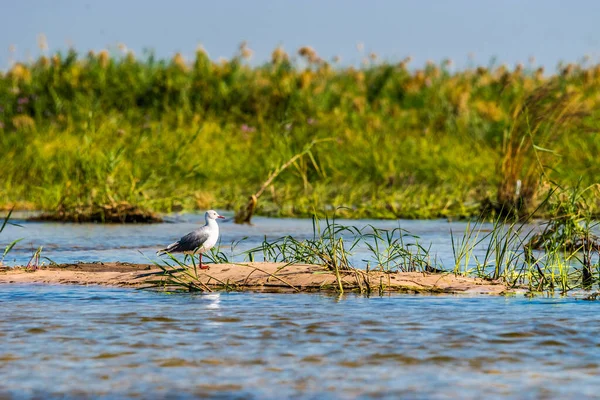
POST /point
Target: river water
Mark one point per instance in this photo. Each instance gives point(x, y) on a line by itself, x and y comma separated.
point(74, 342)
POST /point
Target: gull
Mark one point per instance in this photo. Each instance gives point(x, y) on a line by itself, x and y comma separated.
point(199, 241)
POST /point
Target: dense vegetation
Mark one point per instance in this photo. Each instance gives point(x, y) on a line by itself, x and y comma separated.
point(83, 135)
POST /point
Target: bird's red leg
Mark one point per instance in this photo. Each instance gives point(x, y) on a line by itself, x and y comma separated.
point(203, 266)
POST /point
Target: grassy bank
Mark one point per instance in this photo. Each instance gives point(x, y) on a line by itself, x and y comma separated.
point(82, 134)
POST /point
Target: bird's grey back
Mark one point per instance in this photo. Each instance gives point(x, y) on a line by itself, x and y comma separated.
point(191, 241)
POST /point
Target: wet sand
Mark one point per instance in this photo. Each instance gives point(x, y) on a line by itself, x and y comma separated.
point(266, 277)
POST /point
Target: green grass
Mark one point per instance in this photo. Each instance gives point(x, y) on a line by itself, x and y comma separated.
point(82, 134)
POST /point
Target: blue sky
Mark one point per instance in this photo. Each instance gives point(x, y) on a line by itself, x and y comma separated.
point(510, 30)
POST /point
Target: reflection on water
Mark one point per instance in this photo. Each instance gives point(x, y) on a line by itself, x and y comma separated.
point(106, 343)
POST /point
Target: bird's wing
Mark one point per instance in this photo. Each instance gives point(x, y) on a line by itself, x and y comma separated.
point(189, 242)
point(193, 240)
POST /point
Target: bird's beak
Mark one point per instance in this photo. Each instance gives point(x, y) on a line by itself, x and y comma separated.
point(221, 217)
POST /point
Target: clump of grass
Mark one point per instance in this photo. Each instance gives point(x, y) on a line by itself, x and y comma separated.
point(393, 251)
point(177, 275)
point(570, 232)
point(121, 212)
point(570, 226)
point(463, 248)
point(563, 255)
point(328, 248)
point(546, 113)
point(34, 261)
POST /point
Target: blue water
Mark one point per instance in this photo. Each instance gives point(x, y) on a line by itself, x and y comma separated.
point(90, 342)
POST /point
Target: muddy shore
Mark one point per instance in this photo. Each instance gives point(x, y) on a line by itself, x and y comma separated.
point(266, 277)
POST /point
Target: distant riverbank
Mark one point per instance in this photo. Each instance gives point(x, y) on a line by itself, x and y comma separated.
point(106, 138)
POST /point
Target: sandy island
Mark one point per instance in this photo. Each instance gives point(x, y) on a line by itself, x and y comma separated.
point(265, 277)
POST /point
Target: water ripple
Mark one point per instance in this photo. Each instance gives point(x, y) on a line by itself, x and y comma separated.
point(73, 342)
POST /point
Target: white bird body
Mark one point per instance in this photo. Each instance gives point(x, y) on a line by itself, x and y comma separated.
point(211, 231)
point(199, 241)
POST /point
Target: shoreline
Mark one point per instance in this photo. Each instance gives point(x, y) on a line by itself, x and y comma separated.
point(256, 277)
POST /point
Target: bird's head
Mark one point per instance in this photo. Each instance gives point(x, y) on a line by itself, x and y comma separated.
point(212, 214)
